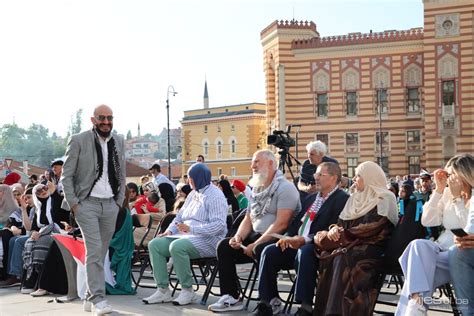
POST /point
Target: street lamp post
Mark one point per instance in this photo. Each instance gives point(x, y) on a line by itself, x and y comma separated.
point(379, 106)
point(170, 90)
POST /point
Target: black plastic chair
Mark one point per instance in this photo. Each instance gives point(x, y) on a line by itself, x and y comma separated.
point(143, 255)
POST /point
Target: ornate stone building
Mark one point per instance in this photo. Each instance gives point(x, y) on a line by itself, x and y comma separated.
point(405, 98)
point(226, 136)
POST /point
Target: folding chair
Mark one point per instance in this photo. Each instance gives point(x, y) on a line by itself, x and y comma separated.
point(144, 256)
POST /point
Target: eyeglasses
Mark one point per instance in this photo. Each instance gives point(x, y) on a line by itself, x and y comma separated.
point(42, 189)
point(319, 174)
point(103, 117)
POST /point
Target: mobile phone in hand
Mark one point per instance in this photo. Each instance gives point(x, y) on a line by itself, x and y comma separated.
point(459, 232)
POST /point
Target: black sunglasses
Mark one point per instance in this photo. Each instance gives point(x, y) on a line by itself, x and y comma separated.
point(103, 117)
point(42, 189)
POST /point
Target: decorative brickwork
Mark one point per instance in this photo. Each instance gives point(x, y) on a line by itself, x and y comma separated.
point(359, 38)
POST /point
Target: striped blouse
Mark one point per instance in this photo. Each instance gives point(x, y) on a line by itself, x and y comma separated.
point(205, 213)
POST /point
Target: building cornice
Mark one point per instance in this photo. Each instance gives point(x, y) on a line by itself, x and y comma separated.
point(230, 160)
point(446, 2)
point(211, 118)
point(414, 34)
point(356, 50)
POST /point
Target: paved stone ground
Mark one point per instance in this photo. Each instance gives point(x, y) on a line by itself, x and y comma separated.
point(13, 303)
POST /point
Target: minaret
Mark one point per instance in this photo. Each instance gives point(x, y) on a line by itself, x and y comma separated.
point(206, 96)
point(138, 130)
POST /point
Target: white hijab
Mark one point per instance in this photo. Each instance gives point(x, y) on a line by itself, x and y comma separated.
point(8, 203)
point(37, 203)
point(375, 194)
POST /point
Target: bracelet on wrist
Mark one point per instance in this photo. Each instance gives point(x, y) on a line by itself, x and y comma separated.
point(457, 199)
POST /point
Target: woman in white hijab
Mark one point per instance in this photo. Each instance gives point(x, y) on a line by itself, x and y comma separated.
point(347, 281)
point(7, 204)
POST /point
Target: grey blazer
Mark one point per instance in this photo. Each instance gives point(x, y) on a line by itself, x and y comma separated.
point(79, 169)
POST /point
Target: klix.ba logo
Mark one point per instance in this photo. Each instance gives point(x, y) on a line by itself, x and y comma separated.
point(444, 300)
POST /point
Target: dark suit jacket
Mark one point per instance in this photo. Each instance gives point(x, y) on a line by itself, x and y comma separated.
point(328, 213)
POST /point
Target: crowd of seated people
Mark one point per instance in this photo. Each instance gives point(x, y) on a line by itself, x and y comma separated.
point(280, 229)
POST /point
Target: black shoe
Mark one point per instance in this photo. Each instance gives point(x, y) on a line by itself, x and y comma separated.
point(262, 309)
point(302, 312)
point(10, 282)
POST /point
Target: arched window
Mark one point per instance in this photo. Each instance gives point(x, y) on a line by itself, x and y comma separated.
point(205, 147)
point(232, 146)
point(219, 149)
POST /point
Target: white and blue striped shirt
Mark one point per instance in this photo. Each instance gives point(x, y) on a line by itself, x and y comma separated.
point(205, 213)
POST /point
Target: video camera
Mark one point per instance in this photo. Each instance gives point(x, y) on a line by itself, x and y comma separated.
point(281, 139)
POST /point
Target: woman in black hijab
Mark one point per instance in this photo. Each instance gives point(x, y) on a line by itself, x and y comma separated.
point(167, 194)
point(409, 225)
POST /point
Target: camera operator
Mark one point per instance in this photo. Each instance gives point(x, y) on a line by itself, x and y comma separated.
point(316, 154)
point(306, 185)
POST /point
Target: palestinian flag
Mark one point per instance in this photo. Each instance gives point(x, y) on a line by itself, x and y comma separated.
point(74, 256)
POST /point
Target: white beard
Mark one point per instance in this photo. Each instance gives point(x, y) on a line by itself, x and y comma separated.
point(258, 179)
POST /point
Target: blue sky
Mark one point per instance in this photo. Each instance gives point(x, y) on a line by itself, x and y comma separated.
point(61, 55)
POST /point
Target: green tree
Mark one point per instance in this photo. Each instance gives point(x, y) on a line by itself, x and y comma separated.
point(12, 141)
point(129, 135)
point(33, 144)
point(76, 124)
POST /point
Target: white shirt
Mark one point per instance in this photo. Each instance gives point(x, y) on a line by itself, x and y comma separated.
point(102, 187)
point(441, 210)
point(161, 178)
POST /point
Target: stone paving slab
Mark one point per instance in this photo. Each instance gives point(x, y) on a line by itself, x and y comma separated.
point(13, 303)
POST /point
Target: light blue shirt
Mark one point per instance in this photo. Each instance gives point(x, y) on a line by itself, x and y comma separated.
point(205, 212)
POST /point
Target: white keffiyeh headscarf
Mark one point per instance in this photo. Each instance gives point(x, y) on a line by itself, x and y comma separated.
point(261, 197)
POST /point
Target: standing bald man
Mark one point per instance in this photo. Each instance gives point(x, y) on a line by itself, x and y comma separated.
point(94, 185)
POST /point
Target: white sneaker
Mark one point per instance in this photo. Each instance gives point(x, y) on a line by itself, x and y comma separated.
point(39, 292)
point(185, 297)
point(102, 308)
point(277, 306)
point(160, 296)
point(87, 307)
point(415, 309)
point(226, 303)
point(25, 290)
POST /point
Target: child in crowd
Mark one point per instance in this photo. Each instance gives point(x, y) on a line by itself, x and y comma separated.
point(146, 204)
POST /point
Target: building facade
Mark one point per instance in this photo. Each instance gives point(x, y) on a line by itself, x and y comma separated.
point(226, 136)
point(140, 147)
point(175, 142)
point(403, 98)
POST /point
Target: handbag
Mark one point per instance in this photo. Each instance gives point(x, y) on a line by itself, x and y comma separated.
point(346, 241)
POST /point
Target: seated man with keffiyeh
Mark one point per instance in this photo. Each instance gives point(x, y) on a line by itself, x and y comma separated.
point(275, 201)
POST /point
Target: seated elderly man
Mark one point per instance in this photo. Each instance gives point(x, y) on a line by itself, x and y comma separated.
point(296, 249)
point(317, 153)
point(274, 203)
point(194, 233)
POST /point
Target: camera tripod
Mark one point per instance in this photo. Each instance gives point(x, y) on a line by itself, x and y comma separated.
point(286, 159)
